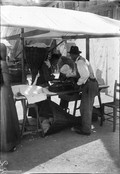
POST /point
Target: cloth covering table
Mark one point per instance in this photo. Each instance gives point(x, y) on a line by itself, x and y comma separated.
point(32, 93)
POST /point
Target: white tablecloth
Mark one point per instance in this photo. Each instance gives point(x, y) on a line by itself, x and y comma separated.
point(33, 93)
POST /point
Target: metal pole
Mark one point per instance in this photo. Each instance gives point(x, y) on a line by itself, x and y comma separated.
point(56, 45)
point(23, 56)
point(87, 48)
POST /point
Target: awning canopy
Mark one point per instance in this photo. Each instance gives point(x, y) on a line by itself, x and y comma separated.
point(48, 22)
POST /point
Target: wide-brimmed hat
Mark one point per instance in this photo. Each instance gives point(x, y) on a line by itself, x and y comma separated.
point(74, 50)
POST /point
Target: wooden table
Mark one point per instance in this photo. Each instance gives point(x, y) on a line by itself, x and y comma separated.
point(50, 94)
point(35, 94)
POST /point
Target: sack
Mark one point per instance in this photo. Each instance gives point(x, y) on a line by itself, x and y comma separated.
point(60, 118)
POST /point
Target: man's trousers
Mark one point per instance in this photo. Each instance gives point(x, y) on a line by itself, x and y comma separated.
point(89, 91)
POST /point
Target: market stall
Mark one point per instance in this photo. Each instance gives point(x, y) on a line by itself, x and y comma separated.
point(47, 108)
point(49, 26)
point(56, 23)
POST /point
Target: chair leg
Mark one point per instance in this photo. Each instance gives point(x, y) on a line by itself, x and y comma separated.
point(36, 110)
point(24, 123)
point(102, 115)
point(24, 117)
point(114, 119)
point(39, 121)
point(42, 131)
point(74, 111)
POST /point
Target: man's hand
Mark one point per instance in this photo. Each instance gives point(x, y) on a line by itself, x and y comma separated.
point(47, 62)
point(38, 75)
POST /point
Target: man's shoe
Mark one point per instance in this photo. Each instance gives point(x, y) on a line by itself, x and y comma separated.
point(79, 131)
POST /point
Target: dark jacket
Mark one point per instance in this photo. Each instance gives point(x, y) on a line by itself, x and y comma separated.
point(45, 75)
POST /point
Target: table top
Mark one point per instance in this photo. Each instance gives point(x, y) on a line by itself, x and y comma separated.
point(32, 93)
point(35, 93)
point(48, 93)
point(103, 87)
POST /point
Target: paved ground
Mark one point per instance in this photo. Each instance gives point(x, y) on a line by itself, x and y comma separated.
point(67, 152)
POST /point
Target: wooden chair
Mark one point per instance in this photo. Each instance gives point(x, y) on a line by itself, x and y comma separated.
point(114, 105)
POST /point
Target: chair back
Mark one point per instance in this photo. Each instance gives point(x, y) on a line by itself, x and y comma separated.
point(117, 93)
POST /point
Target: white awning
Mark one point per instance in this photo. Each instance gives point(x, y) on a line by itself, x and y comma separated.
point(48, 22)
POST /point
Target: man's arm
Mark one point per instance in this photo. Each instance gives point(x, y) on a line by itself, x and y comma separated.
point(36, 78)
point(83, 71)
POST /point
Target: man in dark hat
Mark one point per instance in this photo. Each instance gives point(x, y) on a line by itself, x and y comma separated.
point(89, 86)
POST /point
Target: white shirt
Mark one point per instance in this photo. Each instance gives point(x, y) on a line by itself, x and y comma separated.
point(82, 70)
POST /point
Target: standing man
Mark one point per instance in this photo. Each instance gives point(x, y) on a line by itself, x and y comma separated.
point(89, 86)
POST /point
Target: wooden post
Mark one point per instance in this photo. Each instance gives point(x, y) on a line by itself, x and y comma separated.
point(23, 56)
point(87, 48)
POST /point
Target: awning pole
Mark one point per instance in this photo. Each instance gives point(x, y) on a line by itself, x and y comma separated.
point(23, 56)
point(57, 45)
point(87, 48)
